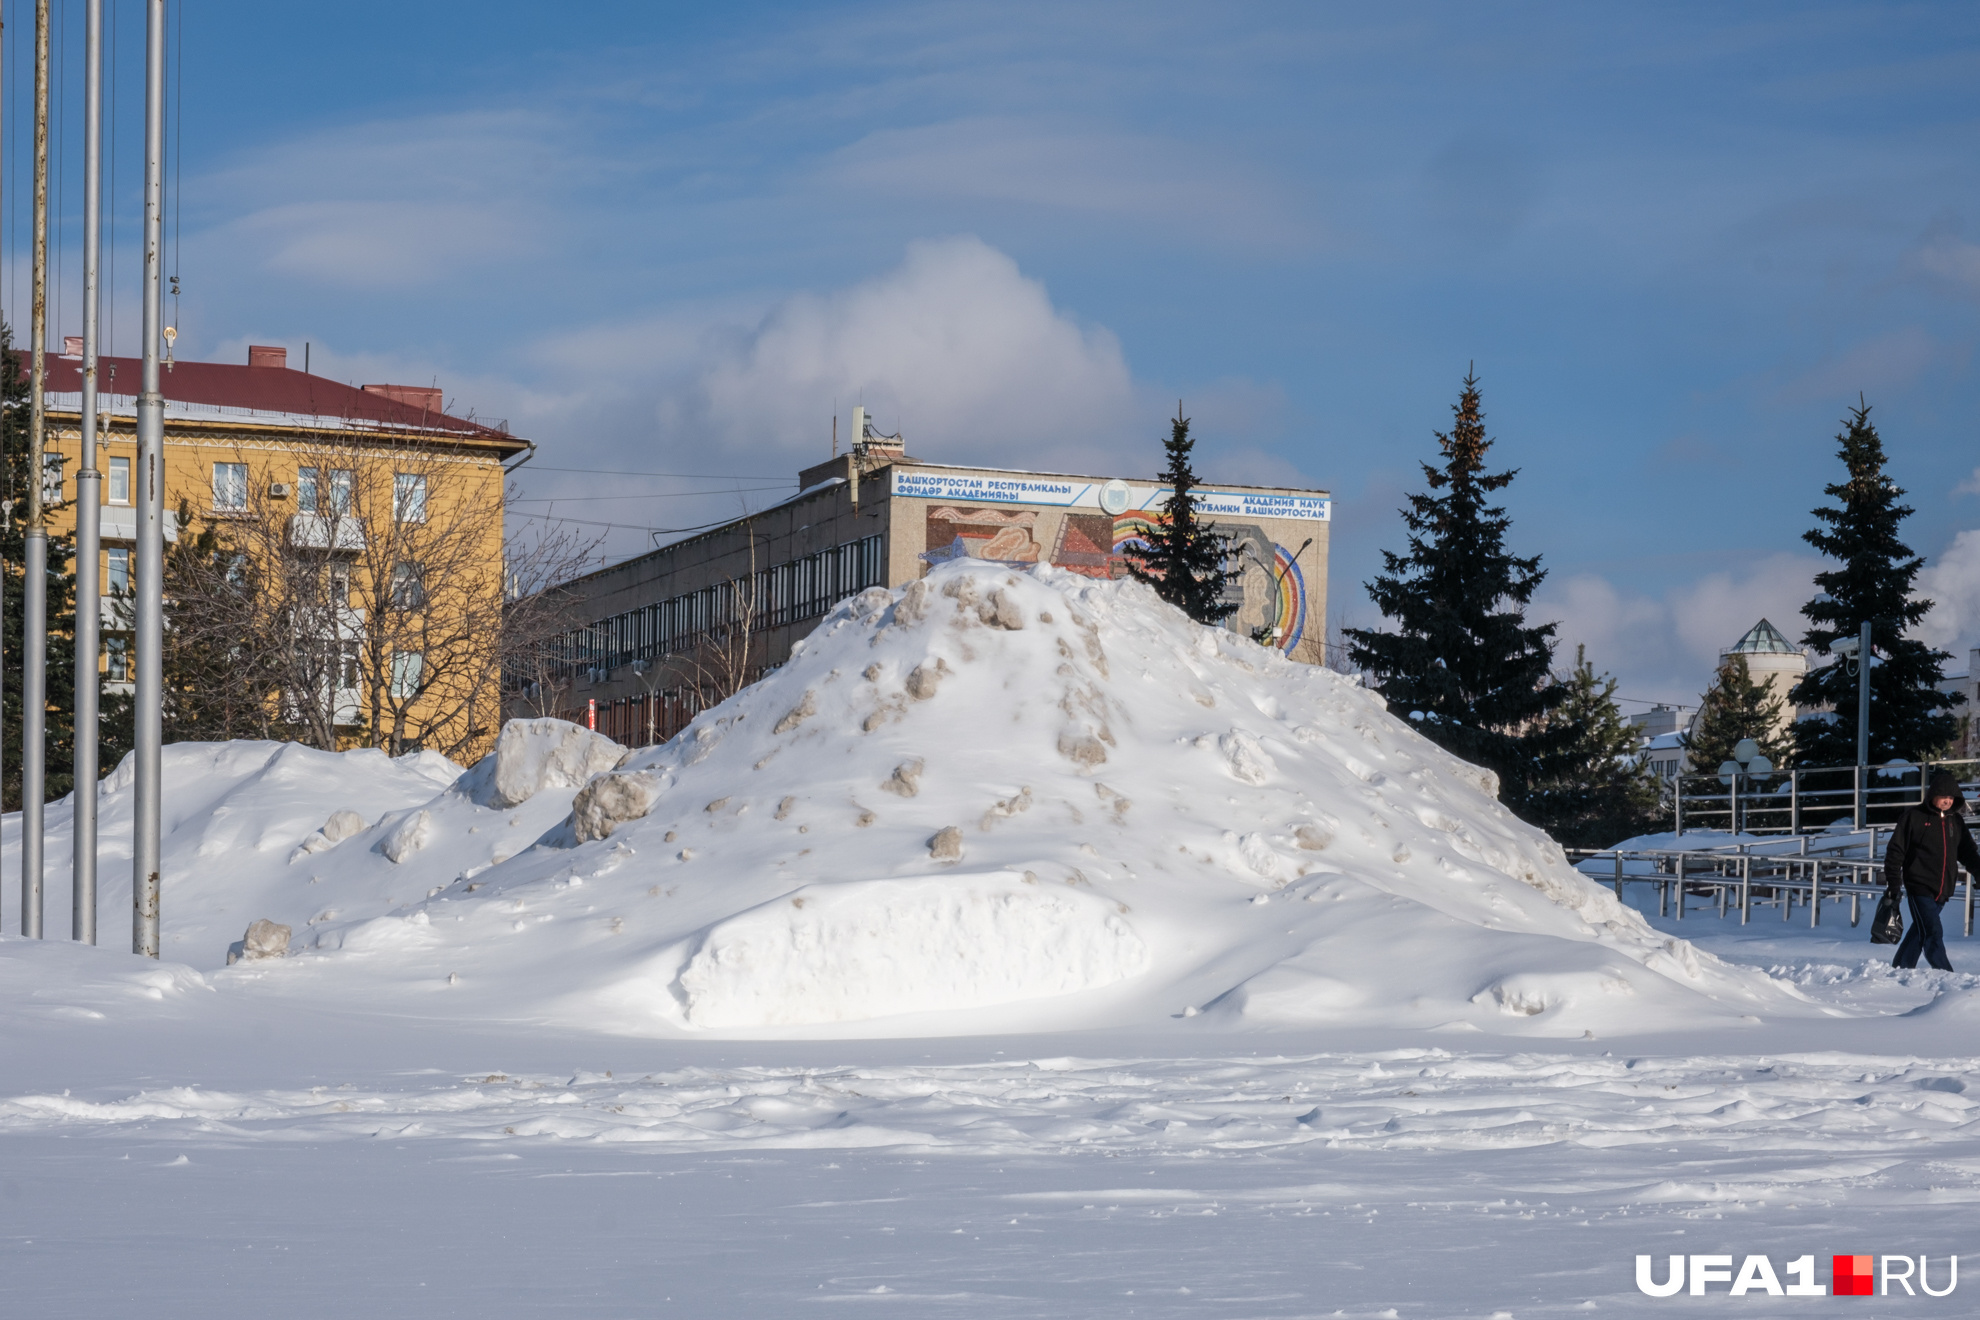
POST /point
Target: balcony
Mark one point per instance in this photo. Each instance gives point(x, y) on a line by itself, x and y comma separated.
point(316, 531)
point(119, 523)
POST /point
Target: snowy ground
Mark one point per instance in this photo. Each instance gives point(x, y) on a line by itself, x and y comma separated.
point(365, 1167)
point(1321, 1031)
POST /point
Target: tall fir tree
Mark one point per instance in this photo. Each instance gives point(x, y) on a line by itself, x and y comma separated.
point(1185, 560)
point(1592, 790)
point(1462, 664)
point(1910, 718)
point(114, 709)
point(1736, 707)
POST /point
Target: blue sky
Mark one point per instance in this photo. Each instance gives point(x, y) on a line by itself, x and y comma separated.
point(1676, 240)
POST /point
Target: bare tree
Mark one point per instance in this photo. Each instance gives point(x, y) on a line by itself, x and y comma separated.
point(730, 653)
point(431, 590)
point(285, 544)
point(540, 613)
point(386, 599)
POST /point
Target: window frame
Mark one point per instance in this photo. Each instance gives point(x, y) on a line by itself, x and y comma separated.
point(120, 465)
point(409, 496)
point(404, 671)
point(237, 486)
point(311, 488)
point(408, 585)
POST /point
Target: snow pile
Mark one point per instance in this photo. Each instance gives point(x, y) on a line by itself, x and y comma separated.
point(990, 801)
point(835, 953)
point(250, 830)
point(532, 756)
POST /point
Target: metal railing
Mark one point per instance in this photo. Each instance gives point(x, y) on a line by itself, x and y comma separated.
point(1737, 878)
point(1815, 798)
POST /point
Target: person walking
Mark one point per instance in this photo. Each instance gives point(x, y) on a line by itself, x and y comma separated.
point(1929, 839)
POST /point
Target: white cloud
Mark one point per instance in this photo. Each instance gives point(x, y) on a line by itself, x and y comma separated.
point(1952, 583)
point(378, 245)
point(1943, 256)
point(955, 347)
point(389, 204)
point(1153, 181)
point(1665, 648)
point(1886, 362)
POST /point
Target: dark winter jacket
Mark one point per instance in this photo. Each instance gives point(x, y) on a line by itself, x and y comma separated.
point(1926, 845)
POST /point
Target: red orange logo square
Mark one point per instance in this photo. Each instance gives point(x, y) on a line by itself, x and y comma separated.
point(1852, 1276)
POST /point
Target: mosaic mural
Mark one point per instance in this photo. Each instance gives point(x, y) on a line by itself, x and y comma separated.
point(1003, 536)
point(1269, 589)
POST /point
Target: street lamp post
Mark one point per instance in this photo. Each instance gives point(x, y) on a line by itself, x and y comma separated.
point(1856, 650)
point(1747, 763)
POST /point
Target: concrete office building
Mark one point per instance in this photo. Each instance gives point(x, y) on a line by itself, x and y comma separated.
point(677, 629)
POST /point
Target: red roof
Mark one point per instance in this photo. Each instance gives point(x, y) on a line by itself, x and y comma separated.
point(270, 389)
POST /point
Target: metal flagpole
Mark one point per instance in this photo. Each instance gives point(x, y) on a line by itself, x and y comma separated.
point(150, 510)
point(34, 626)
point(6, 502)
point(89, 510)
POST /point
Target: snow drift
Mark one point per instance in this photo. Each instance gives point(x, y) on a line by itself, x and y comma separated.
point(833, 953)
point(992, 800)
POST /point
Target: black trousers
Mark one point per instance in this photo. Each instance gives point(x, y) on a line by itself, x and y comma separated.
point(1927, 934)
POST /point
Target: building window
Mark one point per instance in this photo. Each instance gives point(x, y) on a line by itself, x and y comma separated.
point(117, 658)
point(120, 570)
point(230, 486)
point(51, 478)
point(120, 481)
point(409, 497)
point(408, 586)
point(406, 669)
point(321, 492)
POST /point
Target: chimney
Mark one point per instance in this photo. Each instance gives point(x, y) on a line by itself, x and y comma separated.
point(261, 355)
point(421, 398)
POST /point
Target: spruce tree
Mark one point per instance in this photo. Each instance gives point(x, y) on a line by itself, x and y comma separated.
point(1185, 558)
point(114, 709)
point(1592, 790)
point(1909, 715)
point(1462, 664)
point(216, 677)
point(58, 748)
point(1736, 707)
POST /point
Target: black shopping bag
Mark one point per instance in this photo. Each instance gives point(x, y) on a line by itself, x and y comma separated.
point(1887, 927)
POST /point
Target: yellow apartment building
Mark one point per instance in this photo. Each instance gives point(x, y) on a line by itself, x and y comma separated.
point(390, 506)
